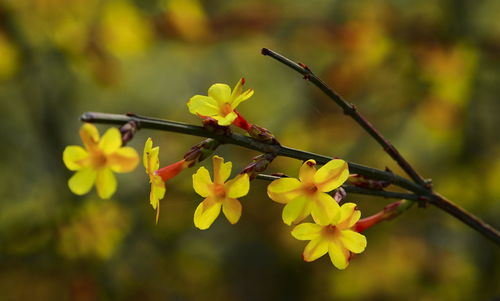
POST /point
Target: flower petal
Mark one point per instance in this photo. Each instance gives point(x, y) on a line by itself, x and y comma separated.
point(110, 141)
point(284, 190)
point(307, 231)
point(241, 98)
point(315, 249)
point(157, 191)
point(203, 105)
point(331, 175)
point(124, 159)
point(89, 135)
point(156, 194)
point(307, 171)
point(338, 255)
point(238, 88)
point(81, 182)
point(147, 151)
point(226, 120)
point(353, 241)
point(238, 187)
point(202, 183)
point(105, 183)
point(206, 213)
point(232, 210)
point(154, 161)
point(72, 155)
point(325, 210)
point(295, 211)
point(349, 216)
point(220, 92)
point(222, 170)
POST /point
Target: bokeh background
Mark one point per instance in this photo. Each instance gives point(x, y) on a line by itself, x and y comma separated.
point(427, 73)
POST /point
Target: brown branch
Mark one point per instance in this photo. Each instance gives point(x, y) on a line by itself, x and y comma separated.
point(359, 190)
point(351, 110)
point(423, 193)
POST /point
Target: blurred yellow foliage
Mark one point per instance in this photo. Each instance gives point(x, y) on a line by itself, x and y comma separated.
point(125, 32)
point(96, 230)
point(9, 58)
point(188, 18)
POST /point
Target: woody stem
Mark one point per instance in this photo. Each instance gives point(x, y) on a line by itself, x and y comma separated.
point(350, 110)
point(421, 191)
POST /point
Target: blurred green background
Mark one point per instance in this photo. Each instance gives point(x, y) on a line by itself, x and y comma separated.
point(426, 73)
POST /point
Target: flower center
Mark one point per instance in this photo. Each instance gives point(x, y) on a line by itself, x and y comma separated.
point(98, 159)
point(226, 109)
point(310, 188)
point(330, 232)
point(219, 190)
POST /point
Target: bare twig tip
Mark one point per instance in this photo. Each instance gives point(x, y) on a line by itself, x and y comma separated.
point(87, 116)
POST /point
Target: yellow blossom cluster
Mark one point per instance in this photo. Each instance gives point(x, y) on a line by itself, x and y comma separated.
point(332, 231)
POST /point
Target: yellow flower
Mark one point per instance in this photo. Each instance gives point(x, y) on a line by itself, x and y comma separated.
point(309, 194)
point(152, 163)
point(220, 104)
point(335, 237)
point(218, 194)
point(97, 162)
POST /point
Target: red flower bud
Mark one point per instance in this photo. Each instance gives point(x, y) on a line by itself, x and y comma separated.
point(172, 170)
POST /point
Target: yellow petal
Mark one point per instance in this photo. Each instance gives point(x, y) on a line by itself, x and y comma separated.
point(238, 187)
point(315, 249)
point(307, 171)
point(220, 92)
point(72, 155)
point(295, 211)
point(353, 241)
point(203, 105)
point(349, 216)
point(153, 160)
point(89, 135)
point(202, 183)
point(81, 182)
point(110, 141)
point(124, 159)
point(331, 175)
point(105, 183)
point(238, 88)
point(241, 98)
point(232, 210)
point(325, 210)
point(206, 213)
point(147, 151)
point(222, 170)
point(284, 190)
point(338, 255)
point(307, 231)
point(225, 120)
point(157, 191)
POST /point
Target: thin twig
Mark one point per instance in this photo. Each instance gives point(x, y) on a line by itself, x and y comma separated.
point(351, 110)
point(360, 190)
point(250, 143)
point(246, 142)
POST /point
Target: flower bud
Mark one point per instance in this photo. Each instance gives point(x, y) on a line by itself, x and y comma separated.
point(259, 164)
point(128, 131)
point(389, 212)
point(362, 181)
point(201, 151)
point(172, 170)
point(212, 126)
point(262, 134)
